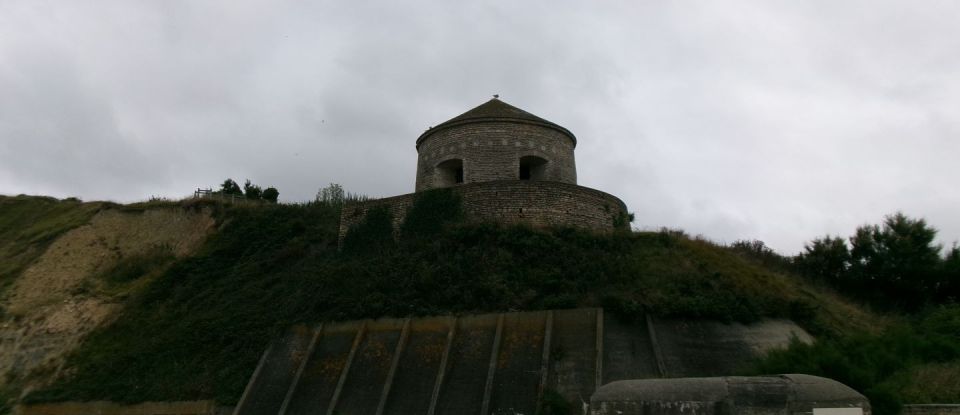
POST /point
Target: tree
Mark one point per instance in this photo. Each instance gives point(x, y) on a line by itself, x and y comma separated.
point(897, 263)
point(270, 194)
point(230, 187)
point(827, 259)
point(949, 279)
point(331, 195)
point(251, 190)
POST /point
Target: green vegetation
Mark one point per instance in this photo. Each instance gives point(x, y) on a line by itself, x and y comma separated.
point(372, 236)
point(197, 330)
point(899, 365)
point(894, 266)
point(197, 326)
point(230, 187)
point(28, 224)
point(133, 267)
point(249, 191)
point(270, 194)
point(432, 211)
point(334, 195)
point(554, 404)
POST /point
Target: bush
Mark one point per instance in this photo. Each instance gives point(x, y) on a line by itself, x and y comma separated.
point(135, 266)
point(372, 236)
point(251, 191)
point(893, 266)
point(430, 212)
point(270, 194)
point(230, 187)
point(876, 364)
point(826, 259)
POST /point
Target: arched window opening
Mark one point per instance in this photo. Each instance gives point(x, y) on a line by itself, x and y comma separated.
point(532, 168)
point(450, 172)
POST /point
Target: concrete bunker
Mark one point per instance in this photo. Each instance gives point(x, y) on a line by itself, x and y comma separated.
point(449, 173)
point(780, 394)
point(533, 168)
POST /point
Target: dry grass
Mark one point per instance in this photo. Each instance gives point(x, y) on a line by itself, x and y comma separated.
point(933, 383)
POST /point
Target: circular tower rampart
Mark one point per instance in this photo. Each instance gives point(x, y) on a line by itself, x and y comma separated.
point(494, 141)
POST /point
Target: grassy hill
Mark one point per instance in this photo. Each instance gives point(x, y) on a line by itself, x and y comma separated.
point(196, 329)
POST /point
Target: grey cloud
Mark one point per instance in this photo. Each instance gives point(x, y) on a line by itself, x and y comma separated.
point(737, 120)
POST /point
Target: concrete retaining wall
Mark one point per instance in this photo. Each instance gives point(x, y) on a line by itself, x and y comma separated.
point(490, 363)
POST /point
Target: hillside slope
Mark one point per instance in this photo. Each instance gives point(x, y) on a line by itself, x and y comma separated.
point(57, 297)
point(191, 321)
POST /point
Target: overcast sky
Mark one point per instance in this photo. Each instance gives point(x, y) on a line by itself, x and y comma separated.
point(772, 120)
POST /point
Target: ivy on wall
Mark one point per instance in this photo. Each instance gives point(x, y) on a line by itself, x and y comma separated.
point(431, 211)
point(374, 235)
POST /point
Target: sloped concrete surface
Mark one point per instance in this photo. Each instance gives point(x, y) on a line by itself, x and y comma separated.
point(499, 363)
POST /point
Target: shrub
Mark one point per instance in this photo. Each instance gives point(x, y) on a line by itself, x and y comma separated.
point(230, 187)
point(431, 211)
point(372, 236)
point(875, 364)
point(251, 191)
point(271, 194)
point(135, 266)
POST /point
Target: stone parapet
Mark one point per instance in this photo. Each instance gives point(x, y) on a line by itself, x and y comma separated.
point(537, 203)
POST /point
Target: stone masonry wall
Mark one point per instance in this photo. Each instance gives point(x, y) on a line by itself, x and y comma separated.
point(538, 203)
point(492, 151)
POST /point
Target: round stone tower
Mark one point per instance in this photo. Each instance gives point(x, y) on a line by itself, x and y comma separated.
point(505, 165)
point(495, 141)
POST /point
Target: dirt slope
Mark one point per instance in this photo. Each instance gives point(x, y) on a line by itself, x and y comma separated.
point(61, 297)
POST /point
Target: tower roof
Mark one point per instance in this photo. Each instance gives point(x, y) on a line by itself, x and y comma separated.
point(495, 110)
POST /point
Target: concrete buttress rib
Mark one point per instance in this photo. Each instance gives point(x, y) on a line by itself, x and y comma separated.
point(438, 383)
point(657, 354)
point(296, 378)
point(545, 359)
point(253, 380)
point(404, 333)
point(495, 363)
point(346, 368)
point(491, 370)
point(598, 381)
